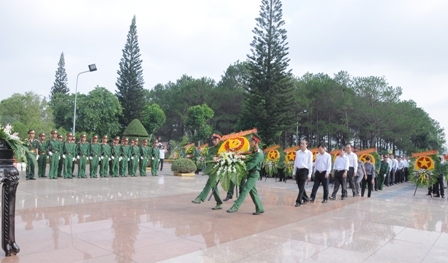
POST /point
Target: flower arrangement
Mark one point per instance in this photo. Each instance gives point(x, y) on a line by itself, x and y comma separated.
point(271, 166)
point(13, 142)
point(228, 166)
point(423, 177)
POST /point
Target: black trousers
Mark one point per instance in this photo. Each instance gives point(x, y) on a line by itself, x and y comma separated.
point(301, 177)
point(319, 177)
point(161, 164)
point(281, 174)
point(392, 177)
point(339, 180)
point(350, 173)
point(406, 174)
point(363, 185)
point(438, 187)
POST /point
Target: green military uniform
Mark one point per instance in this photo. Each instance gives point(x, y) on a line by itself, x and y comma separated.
point(61, 160)
point(253, 166)
point(116, 155)
point(155, 156)
point(54, 149)
point(106, 153)
point(211, 181)
point(145, 154)
point(95, 153)
point(69, 153)
point(31, 145)
point(83, 149)
point(125, 154)
point(135, 156)
point(384, 169)
point(42, 160)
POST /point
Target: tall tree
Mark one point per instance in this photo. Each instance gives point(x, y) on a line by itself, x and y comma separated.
point(270, 88)
point(196, 122)
point(60, 83)
point(130, 81)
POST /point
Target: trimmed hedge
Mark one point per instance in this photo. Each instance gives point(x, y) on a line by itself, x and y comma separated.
point(183, 165)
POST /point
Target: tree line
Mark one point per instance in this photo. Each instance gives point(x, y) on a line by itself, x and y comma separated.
point(259, 92)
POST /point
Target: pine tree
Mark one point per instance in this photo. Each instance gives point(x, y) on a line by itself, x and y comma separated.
point(130, 81)
point(60, 83)
point(269, 92)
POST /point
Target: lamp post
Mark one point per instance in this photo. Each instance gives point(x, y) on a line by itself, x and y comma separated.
point(92, 67)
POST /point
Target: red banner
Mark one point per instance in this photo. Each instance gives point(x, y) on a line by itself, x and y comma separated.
point(238, 134)
point(427, 153)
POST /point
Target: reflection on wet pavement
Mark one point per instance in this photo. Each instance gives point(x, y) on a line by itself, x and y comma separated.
point(151, 219)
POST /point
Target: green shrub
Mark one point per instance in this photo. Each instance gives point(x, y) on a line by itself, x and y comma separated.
point(183, 165)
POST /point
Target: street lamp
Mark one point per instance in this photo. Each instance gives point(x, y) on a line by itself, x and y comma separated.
point(297, 128)
point(92, 67)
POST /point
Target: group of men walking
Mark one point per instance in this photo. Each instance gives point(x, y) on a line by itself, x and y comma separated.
point(106, 159)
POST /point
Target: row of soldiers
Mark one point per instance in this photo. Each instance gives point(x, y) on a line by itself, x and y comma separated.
point(109, 159)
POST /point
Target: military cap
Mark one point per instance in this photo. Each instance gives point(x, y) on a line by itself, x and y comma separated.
point(105, 137)
point(31, 131)
point(69, 135)
point(95, 137)
point(59, 136)
point(117, 138)
point(217, 135)
point(83, 135)
point(54, 131)
point(255, 137)
point(42, 134)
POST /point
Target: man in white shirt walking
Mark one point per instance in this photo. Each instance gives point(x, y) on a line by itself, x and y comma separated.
point(340, 169)
point(353, 167)
point(303, 167)
point(322, 169)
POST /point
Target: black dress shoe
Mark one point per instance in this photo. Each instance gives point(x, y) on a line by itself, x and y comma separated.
point(304, 202)
point(227, 198)
point(332, 198)
point(324, 201)
point(257, 213)
point(32, 178)
point(298, 204)
point(312, 200)
point(342, 198)
point(433, 195)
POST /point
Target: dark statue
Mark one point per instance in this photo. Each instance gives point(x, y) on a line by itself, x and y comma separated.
point(9, 177)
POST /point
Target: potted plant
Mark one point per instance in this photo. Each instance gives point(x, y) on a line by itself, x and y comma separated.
point(183, 167)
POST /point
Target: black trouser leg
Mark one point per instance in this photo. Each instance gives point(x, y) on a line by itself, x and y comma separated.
point(369, 182)
point(350, 173)
point(301, 177)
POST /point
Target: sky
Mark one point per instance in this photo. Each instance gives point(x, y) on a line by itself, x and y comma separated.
point(405, 41)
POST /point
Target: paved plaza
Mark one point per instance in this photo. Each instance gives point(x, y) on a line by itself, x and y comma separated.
point(151, 219)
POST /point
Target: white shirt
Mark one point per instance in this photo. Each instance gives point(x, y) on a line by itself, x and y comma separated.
point(400, 165)
point(390, 162)
point(353, 161)
point(341, 163)
point(395, 164)
point(323, 162)
point(162, 154)
point(304, 159)
point(405, 163)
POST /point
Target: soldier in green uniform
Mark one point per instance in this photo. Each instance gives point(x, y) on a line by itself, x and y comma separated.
point(125, 154)
point(116, 155)
point(83, 149)
point(32, 145)
point(144, 157)
point(384, 169)
point(211, 181)
point(155, 156)
point(42, 156)
point(106, 153)
point(95, 153)
point(68, 154)
point(135, 156)
point(253, 167)
point(54, 149)
point(61, 160)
